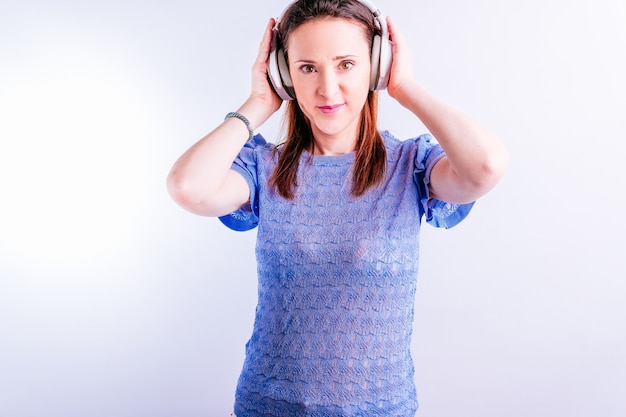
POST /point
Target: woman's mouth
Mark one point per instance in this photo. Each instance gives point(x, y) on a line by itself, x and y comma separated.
point(334, 108)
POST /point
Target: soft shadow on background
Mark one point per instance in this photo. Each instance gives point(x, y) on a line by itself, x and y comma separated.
point(114, 302)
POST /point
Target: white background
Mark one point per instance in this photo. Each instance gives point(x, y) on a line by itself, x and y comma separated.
point(114, 302)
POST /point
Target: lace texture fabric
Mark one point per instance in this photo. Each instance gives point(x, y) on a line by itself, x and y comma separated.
point(337, 279)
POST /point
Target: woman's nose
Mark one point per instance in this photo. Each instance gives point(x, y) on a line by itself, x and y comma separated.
point(328, 83)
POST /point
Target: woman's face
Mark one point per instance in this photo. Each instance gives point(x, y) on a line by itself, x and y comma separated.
point(329, 63)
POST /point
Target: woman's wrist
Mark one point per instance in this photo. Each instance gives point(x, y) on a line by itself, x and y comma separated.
point(256, 111)
point(406, 93)
point(245, 121)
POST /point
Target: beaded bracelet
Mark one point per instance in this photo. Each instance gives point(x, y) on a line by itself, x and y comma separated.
point(243, 119)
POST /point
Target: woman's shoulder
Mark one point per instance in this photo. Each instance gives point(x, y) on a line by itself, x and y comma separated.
point(260, 144)
point(392, 141)
point(257, 148)
point(399, 148)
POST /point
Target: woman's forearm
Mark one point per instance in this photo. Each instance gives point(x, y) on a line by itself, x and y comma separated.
point(476, 156)
point(196, 180)
point(201, 179)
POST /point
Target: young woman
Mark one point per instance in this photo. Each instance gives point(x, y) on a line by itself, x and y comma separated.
point(338, 207)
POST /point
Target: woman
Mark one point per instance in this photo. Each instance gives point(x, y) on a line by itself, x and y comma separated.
point(338, 207)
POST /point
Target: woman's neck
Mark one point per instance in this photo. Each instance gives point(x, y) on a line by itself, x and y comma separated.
point(337, 144)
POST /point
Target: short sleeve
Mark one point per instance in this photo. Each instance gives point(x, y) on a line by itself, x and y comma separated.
point(247, 216)
point(437, 213)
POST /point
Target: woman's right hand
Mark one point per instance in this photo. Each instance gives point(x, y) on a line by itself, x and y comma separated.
point(261, 90)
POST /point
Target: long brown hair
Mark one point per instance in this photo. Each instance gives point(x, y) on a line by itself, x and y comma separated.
point(370, 161)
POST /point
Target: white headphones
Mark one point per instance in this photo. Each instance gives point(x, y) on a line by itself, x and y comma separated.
point(278, 70)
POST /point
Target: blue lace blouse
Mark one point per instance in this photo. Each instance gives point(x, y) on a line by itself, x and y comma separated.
point(336, 283)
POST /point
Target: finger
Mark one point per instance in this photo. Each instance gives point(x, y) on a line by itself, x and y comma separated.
point(266, 41)
point(394, 35)
point(390, 28)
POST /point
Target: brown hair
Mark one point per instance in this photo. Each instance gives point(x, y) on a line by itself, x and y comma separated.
point(370, 162)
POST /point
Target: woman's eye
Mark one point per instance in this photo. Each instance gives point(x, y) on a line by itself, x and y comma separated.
point(346, 65)
point(307, 68)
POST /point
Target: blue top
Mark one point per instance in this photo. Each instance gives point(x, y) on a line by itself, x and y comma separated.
point(337, 277)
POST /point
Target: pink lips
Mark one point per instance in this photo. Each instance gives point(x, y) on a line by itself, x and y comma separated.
point(330, 109)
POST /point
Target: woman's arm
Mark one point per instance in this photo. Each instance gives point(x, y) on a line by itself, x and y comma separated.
point(475, 158)
point(201, 180)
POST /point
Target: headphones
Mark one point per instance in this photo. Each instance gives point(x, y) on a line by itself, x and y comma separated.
point(278, 70)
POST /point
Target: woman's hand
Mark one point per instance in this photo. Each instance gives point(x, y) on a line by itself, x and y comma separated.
point(261, 90)
point(401, 76)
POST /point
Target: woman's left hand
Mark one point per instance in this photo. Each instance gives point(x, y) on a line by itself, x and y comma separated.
point(401, 72)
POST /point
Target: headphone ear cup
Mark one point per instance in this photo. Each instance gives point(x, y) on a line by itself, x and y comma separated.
point(276, 71)
point(386, 58)
point(284, 75)
point(375, 63)
point(381, 63)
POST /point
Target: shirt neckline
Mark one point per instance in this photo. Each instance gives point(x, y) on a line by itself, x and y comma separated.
point(343, 159)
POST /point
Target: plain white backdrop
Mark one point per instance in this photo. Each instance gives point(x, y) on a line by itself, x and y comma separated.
point(114, 302)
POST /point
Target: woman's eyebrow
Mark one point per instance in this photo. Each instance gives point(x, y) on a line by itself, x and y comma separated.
point(337, 58)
